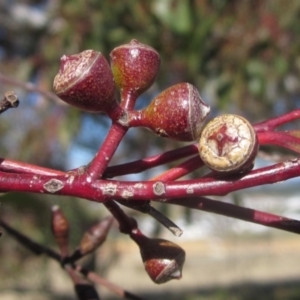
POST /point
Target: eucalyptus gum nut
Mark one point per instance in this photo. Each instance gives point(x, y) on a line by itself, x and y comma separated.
point(85, 81)
point(134, 66)
point(163, 260)
point(228, 144)
point(177, 113)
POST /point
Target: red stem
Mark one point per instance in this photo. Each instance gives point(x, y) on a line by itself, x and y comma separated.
point(14, 166)
point(136, 119)
point(181, 170)
point(128, 99)
point(101, 160)
point(150, 162)
point(92, 276)
point(238, 212)
point(282, 139)
point(126, 223)
point(29, 87)
point(103, 190)
point(271, 124)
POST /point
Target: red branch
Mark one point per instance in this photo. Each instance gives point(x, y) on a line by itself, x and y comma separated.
point(271, 124)
point(241, 213)
point(151, 162)
point(105, 153)
point(103, 190)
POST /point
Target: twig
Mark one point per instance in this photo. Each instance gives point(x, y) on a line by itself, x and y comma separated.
point(102, 158)
point(33, 246)
point(39, 249)
point(141, 165)
point(29, 87)
point(238, 212)
point(271, 124)
point(10, 100)
point(146, 208)
point(182, 169)
point(92, 276)
point(126, 223)
point(13, 166)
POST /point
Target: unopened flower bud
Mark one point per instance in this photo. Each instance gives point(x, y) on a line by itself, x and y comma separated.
point(163, 260)
point(60, 229)
point(177, 113)
point(85, 81)
point(95, 236)
point(134, 66)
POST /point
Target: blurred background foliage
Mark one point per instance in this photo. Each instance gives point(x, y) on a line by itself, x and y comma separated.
point(243, 56)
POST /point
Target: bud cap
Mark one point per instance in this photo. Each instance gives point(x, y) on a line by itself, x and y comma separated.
point(85, 81)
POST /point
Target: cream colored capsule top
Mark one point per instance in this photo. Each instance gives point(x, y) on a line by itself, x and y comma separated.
point(228, 143)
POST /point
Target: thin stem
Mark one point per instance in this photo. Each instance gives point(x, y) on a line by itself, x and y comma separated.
point(128, 99)
point(166, 222)
point(126, 223)
point(141, 165)
point(146, 208)
point(135, 119)
point(92, 276)
point(271, 124)
point(241, 213)
point(29, 87)
point(13, 166)
point(33, 246)
point(181, 170)
point(84, 289)
point(282, 139)
point(105, 153)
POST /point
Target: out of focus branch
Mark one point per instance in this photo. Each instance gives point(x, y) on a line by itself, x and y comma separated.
point(29, 87)
point(39, 249)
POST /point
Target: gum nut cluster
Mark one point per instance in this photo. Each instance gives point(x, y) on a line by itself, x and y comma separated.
point(134, 66)
point(177, 113)
point(228, 144)
point(85, 81)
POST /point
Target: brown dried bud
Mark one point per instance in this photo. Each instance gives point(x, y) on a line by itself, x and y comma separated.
point(163, 260)
point(177, 113)
point(134, 66)
point(95, 236)
point(85, 81)
point(228, 144)
point(60, 229)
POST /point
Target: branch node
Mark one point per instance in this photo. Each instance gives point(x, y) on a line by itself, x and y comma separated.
point(159, 188)
point(53, 185)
